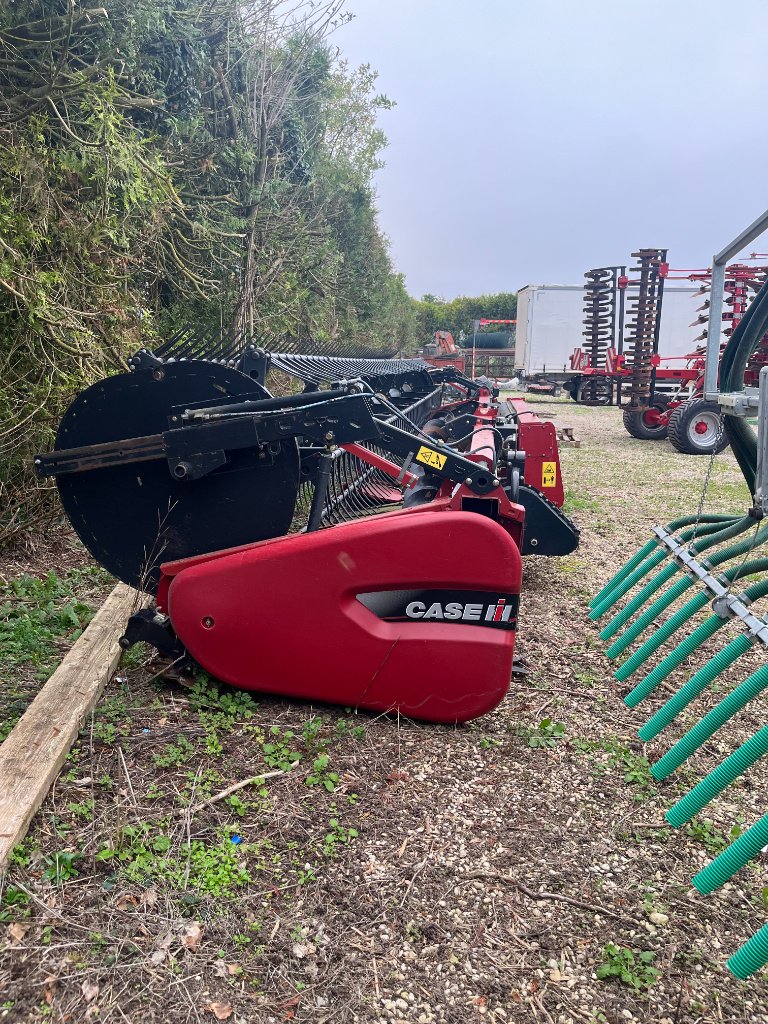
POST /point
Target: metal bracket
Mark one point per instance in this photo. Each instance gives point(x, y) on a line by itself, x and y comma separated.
point(735, 604)
point(761, 473)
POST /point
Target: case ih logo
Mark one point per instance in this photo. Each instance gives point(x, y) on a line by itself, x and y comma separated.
point(464, 607)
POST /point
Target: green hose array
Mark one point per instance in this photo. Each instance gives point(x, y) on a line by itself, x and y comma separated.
point(647, 549)
point(733, 858)
point(670, 627)
point(699, 682)
point(710, 723)
point(722, 776)
point(647, 618)
point(707, 537)
point(652, 570)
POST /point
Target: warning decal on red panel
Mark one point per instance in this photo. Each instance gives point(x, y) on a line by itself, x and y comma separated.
point(549, 474)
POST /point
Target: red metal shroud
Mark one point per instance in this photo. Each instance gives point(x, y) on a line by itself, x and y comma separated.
point(538, 439)
point(283, 615)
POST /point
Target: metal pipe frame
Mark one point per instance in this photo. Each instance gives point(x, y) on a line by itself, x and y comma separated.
point(739, 403)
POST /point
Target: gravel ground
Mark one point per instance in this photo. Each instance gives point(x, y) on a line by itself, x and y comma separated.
point(399, 871)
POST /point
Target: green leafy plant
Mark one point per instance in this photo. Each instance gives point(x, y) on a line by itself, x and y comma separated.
point(338, 835)
point(61, 866)
point(635, 971)
point(175, 754)
point(14, 904)
point(320, 776)
point(280, 752)
point(546, 734)
point(703, 831)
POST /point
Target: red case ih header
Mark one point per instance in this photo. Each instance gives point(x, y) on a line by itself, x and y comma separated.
point(359, 542)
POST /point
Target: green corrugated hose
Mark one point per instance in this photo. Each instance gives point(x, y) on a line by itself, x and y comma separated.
point(679, 619)
point(698, 683)
point(683, 650)
point(710, 723)
point(706, 538)
point(733, 858)
point(647, 549)
point(752, 956)
point(713, 784)
point(649, 616)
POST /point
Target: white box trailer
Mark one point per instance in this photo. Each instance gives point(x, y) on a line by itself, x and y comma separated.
point(549, 325)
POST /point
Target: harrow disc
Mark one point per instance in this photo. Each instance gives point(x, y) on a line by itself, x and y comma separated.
point(134, 517)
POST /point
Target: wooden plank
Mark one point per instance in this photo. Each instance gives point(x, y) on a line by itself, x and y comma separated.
point(32, 754)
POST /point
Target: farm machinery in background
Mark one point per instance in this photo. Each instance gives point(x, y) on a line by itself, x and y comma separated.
point(620, 363)
point(481, 353)
point(699, 574)
point(356, 539)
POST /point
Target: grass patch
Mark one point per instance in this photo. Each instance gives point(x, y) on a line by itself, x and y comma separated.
point(39, 620)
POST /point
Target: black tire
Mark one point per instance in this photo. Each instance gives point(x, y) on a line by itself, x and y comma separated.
point(571, 386)
point(695, 426)
point(636, 421)
point(557, 391)
point(595, 391)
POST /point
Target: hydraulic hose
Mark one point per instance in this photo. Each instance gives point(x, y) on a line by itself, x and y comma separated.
point(741, 346)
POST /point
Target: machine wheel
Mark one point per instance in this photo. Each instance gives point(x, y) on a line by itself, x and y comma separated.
point(571, 387)
point(645, 424)
point(595, 391)
point(694, 426)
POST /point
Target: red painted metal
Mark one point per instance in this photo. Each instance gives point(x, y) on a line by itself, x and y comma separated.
point(385, 465)
point(538, 439)
point(274, 616)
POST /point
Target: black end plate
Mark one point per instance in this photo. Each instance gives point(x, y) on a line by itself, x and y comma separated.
point(547, 530)
point(134, 517)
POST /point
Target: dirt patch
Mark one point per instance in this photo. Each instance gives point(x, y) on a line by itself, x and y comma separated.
point(394, 871)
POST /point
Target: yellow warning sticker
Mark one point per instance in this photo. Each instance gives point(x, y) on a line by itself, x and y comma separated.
point(549, 474)
point(431, 458)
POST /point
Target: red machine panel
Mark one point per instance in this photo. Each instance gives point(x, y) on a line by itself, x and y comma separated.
point(403, 612)
point(538, 439)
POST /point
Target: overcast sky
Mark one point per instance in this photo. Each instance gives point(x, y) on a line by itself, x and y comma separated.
point(534, 139)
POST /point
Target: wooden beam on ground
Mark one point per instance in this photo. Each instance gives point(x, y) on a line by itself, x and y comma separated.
point(32, 754)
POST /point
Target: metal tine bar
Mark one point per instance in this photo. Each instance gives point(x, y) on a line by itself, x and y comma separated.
point(192, 345)
point(168, 345)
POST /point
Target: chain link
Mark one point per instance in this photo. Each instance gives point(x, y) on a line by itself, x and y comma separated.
point(707, 478)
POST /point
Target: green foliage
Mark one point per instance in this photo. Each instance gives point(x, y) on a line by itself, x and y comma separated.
point(280, 751)
point(338, 836)
point(320, 776)
point(631, 970)
point(546, 734)
point(35, 615)
point(213, 869)
point(457, 315)
point(163, 163)
point(61, 866)
point(13, 904)
point(703, 831)
point(175, 753)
